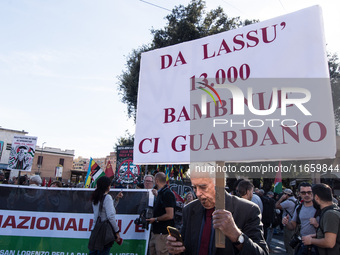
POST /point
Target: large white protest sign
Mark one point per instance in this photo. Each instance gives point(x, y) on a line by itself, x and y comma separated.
point(257, 93)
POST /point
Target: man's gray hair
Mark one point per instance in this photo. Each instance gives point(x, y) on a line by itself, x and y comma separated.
point(36, 179)
point(149, 175)
point(202, 170)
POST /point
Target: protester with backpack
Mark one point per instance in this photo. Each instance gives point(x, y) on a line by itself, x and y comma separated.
point(304, 221)
point(287, 203)
point(327, 238)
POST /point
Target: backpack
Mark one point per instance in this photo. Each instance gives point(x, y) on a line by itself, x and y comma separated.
point(298, 209)
point(268, 214)
point(296, 204)
point(337, 209)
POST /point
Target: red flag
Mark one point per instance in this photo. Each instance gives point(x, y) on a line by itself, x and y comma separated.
point(43, 182)
point(109, 170)
point(178, 197)
point(49, 183)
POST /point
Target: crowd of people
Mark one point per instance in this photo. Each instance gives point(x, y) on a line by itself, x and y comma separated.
point(34, 180)
point(309, 219)
point(250, 218)
point(298, 216)
point(249, 226)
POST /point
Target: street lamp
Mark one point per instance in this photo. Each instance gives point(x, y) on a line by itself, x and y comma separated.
point(42, 149)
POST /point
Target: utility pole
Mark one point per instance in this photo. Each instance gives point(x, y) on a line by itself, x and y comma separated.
point(42, 149)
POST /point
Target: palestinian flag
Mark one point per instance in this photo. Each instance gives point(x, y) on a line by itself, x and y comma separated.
point(94, 172)
point(278, 181)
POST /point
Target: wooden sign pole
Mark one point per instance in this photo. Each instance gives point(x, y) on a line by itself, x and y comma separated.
point(220, 201)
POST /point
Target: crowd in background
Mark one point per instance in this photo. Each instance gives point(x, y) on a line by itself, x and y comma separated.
point(286, 213)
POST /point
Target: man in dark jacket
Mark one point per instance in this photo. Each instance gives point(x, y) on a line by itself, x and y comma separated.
point(240, 222)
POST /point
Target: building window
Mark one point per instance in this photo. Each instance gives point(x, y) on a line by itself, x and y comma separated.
point(61, 161)
point(8, 146)
point(40, 160)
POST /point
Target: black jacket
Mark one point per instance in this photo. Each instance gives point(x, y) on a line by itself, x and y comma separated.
point(247, 217)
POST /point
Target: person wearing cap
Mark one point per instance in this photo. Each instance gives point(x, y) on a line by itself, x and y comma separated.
point(287, 204)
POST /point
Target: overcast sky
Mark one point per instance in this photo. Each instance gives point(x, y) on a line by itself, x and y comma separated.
point(59, 62)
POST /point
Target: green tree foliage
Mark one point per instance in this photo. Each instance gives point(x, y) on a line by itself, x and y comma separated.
point(334, 73)
point(184, 24)
point(126, 140)
point(128, 81)
point(191, 22)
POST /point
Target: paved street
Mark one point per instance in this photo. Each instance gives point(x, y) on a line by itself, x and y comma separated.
point(277, 246)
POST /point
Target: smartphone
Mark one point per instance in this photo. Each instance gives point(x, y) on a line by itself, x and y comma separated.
point(175, 233)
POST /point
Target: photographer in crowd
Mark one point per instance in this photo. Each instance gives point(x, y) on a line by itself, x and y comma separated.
point(304, 218)
point(287, 203)
point(163, 216)
point(327, 238)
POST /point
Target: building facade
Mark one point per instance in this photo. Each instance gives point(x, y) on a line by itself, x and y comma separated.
point(81, 165)
point(47, 160)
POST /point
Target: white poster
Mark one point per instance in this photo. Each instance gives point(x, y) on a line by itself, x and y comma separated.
point(22, 153)
point(257, 93)
point(59, 171)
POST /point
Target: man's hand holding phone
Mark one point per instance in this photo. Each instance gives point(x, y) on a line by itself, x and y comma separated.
point(174, 241)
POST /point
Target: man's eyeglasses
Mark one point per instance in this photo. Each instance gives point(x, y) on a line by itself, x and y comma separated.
point(306, 192)
point(148, 181)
